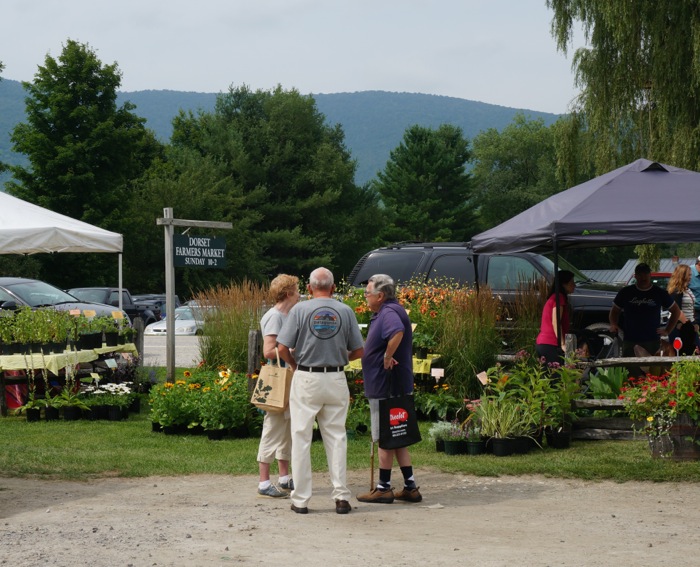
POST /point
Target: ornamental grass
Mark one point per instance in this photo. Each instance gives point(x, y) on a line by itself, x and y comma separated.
point(230, 313)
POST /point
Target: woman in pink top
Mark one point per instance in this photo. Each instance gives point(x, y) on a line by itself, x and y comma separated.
point(550, 346)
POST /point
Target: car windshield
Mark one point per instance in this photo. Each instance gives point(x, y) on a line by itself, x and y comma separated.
point(579, 277)
point(184, 314)
point(36, 293)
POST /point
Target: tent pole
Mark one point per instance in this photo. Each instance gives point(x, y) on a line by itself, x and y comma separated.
point(556, 287)
point(169, 295)
point(119, 280)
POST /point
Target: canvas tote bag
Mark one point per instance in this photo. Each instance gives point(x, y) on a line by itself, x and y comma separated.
point(398, 423)
point(271, 391)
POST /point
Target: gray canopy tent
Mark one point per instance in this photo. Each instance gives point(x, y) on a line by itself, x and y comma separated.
point(643, 202)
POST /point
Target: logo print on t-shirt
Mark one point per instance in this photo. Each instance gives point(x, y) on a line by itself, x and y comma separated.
point(324, 322)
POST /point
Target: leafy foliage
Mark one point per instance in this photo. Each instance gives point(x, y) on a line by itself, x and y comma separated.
point(514, 169)
point(83, 150)
point(294, 173)
point(640, 79)
point(425, 187)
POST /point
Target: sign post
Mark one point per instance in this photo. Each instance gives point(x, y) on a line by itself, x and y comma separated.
point(201, 252)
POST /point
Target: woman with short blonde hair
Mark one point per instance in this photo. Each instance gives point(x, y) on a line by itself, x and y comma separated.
point(276, 437)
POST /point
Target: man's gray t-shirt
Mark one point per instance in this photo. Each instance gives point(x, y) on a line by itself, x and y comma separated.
point(322, 331)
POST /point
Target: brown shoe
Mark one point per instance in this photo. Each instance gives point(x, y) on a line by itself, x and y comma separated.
point(377, 496)
point(342, 507)
point(409, 495)
point(300, 510)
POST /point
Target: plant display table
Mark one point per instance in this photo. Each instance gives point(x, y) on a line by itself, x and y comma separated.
point(420, 365)
point(54, 363)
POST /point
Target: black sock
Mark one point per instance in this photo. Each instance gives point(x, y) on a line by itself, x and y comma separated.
point(408, 479)
point(384, 479)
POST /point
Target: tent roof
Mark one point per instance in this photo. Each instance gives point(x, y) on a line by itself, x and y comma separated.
point(642, 202)
point(28, 229)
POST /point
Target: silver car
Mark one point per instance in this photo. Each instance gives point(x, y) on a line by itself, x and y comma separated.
point(188, 321)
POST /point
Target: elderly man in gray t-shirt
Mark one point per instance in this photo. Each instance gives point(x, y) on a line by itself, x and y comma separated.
point(324, 335)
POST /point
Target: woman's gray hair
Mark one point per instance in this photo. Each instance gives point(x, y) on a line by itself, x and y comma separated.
point(385, 284)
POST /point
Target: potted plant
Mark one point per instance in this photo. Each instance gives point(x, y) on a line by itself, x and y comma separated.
point(126, 333)
point(23, 328)
point(70, 398)
point(220, 409)
point(438, 432)
point(456, 439)
point(502, 419)
point(440, 402)
point(667, 409)
point(475, 441)
point(423, 343)
point(107, 325)
point(358, 420)
point(118, 398)
point(6, 332)
point(32, 406)
point(558, 403)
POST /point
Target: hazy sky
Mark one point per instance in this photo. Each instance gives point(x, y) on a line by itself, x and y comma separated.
point(494, 51)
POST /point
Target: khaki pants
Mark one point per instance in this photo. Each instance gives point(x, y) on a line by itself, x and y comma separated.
point(324, 397)
point(276, 438)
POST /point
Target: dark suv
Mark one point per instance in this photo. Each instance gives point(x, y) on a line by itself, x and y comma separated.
point(503, 273)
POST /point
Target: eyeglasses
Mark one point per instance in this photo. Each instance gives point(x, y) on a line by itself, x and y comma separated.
point(368, 293)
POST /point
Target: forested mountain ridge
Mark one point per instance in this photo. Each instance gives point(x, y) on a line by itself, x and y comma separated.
point(373, 121)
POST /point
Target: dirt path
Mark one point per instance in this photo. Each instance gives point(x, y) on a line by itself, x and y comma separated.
point(463, 520)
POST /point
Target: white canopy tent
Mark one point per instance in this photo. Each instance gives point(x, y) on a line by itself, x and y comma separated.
point(26, 228)
point(29, 229)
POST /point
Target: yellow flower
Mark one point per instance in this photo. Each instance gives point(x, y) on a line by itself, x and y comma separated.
point(187, 374)
point(650, 419)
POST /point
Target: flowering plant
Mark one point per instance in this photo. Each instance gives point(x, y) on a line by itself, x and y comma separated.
point(110, 394)
point(175, 403)
point(212, 399)
point(439, 430)
point(354, 297)
point(440, 403)
point(656, 401)
point(543, 394)
point(219, 405)
point(457, 432)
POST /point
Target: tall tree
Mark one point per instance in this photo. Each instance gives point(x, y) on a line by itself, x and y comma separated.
point(425, 188)
point(197, 187)
point(640, 78)
point(83, 150)
point(295, 173)
point(513, 169)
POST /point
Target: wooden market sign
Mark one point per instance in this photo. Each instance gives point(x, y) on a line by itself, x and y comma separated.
point(199, 248)
point(199, 251)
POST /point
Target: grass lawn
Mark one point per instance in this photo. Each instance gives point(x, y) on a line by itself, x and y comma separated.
point(85, 449)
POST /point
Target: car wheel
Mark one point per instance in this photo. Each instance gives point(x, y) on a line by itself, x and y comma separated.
point(199, 332)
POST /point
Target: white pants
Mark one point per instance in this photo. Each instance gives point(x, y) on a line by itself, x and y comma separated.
point(276, 438)
point(323, 396)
